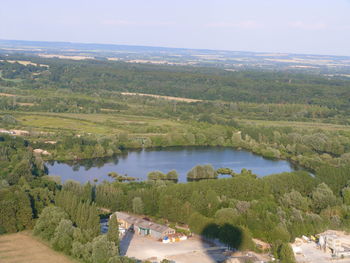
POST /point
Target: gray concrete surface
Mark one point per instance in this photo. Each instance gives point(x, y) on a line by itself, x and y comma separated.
point(311, 254)
point(192, 250)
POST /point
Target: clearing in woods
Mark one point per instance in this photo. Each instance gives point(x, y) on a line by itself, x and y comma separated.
point(22, 247)
point(160, 97)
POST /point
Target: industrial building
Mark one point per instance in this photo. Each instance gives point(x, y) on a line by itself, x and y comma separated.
point(142, 226)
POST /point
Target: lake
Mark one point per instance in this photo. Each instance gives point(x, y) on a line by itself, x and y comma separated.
point(182, 159)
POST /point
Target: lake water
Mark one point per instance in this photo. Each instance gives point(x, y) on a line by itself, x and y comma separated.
point(182, 159)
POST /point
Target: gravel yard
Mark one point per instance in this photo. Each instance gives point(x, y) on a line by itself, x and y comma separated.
point(192, 250)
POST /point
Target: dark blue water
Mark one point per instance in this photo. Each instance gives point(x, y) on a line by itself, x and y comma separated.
point(182, 159)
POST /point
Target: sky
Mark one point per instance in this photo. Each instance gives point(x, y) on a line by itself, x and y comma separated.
point(293, 26)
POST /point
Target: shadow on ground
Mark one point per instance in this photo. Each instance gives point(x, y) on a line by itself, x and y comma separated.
point(224, 240)
point(125, 242)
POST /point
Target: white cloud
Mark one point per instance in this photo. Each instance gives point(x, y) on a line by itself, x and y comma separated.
point(246, 24)
point(308, 26)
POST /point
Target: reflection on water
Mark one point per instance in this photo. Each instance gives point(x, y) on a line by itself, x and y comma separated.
point(138, 163)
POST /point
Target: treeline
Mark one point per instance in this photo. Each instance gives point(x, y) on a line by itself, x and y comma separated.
point(214, 112)
point(17, 160)
point(264, 95)
point(55, 225)
point(21, 204)
point(308, 147)
point(83, 146)
point(16, 70)
point(58, 104)
point(73, 227)
point(77, 201)
point(248, 86)
point(64, 215)
point(24, 190)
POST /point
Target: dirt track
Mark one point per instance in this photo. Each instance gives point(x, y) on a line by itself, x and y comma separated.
point(23, 248)
point(159, 97)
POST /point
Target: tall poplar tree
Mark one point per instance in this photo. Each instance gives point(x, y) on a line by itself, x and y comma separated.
point(113, 230)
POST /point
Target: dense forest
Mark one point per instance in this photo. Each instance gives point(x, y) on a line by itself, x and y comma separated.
point(189, 82)
point(75, 110)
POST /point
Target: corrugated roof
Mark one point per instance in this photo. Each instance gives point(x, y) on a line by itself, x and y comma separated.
point(142, 223)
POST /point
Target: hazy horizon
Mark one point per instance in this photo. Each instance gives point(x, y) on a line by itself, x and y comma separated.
point(299, 27)
point(248, 51)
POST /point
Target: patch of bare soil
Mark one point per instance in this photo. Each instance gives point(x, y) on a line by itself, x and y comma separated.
point(7, 95)
point(160, 97)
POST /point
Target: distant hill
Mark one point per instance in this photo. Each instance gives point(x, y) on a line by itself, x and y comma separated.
point(229, 60)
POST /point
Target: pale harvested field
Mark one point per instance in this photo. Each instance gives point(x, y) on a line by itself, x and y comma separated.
point(25, 104)
point(65, 56)
point(160, 62)
point(25, 63)
point(24, 248)
point(7, 95)
point(159, 97)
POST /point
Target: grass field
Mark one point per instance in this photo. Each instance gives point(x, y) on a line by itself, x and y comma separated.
point(100, 124)
point(22, 247)
point(298, 124)
point(134, 125)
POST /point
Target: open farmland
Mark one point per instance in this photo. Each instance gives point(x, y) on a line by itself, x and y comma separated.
point(24, 248)
point(101, 124)
point(297, 124)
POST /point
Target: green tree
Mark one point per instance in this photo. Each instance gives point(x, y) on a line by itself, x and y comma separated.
point(156, 175)
point(63, 237)
point(286, 254)
point(137, 205)
point(323, 197)
point(169, 207)
point(246, 239)
point(48, 221)
point(24, 211)
point(296, 200)
point(22, 169)
point(198, 223)
point(346, 195)
point(113, 230)
point(201, 172)
point(226, 215)
point(102, 249)
point(172, 176)
point(87, 195)
point(15, 205)
point(279, 233)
